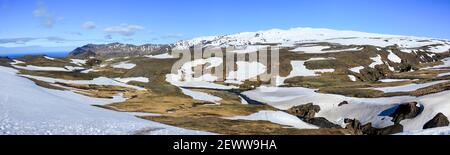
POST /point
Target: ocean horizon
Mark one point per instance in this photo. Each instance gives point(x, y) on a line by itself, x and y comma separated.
point(50, 54)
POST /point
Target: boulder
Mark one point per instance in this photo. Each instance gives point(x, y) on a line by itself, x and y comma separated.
point(342, 103)
point(368, 129)
point(440, 120)
point(305, 111)
point(406, 111)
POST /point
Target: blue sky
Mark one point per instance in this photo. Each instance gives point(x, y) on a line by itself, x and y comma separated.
point(65, 24)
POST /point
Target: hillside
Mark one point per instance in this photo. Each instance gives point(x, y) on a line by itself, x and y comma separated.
point(329, 82)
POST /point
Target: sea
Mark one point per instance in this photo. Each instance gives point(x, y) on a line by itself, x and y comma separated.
point(50, 54)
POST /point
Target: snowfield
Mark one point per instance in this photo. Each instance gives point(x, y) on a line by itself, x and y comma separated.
point(409, 87)
point(26, 108)
point(78, 62)
point(201, 96)
point(57, 69)
point(160, 56)
point(137, 79)
point(277, 117)
point(124, 65)
point(364, 109)
point(299, 69)
point(96, 81)
point(357, 69)
point(294, 36)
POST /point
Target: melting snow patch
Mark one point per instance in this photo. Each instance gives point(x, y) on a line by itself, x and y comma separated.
point(49, 58)
point(311, 49)
point(409, 87)
point(38, 68)
point(277, 117)
point(352, 77)
point(137, 79)
point(65, 112)
point(96, 81)
point(299, 69)
point(160, 56)
point(394, 58)
point(377, 61)
point(124, 65)
point(16, 62)
point(357, 69)
point(246, 70)
point(201, 96)
point(317, 59)
point(78, 62)
point(394, 80)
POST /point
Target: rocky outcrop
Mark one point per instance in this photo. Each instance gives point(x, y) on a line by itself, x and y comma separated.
point(307, 113)
point(406, 111)
point(119, 50)
point(342, 103)
point(440, 120)
point(368, 129)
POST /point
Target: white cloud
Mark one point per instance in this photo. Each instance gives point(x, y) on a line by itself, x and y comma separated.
point(89, 25)
point(124, 29)
point(47, 19)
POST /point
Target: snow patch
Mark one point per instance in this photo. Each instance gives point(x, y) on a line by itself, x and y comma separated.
point(277, 117)
point(124, 65)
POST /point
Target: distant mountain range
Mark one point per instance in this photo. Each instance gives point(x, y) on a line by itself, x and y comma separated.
point(286, 38)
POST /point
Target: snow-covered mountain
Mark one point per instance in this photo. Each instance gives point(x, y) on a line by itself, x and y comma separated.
point(295, 36)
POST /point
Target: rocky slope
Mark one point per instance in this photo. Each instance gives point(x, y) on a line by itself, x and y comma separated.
point(118, 50)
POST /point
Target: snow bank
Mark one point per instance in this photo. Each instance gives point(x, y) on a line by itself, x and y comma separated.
point(320, 58)
point(97, 81)
point(64, 112)
point(185, 75)
point(49, 58)
point(137, 79)
point(377, 61)
point(432, 131)
point(357, 69)
point(364, 109)
point(201, 96)
point(124, 65)
point(277, 117)
point(393, 80)
point(78, 62)
point(409, 87)
point(352, 77)
point(394, 58)
point(160, 56)
point(246, 71)
point(57, 69)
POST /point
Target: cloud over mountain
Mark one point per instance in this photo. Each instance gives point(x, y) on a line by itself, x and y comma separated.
point(124, 29)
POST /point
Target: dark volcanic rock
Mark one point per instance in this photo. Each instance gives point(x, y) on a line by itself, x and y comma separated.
point(406, 111)
point(367, 129)
point(440, 120)
point(119, 50)
point(304, 111)
point(342, 103)
point(307, 113)
point(322, 123)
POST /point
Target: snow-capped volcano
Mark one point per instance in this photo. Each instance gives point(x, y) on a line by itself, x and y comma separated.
point(294, 36)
